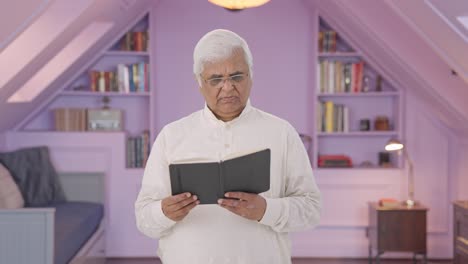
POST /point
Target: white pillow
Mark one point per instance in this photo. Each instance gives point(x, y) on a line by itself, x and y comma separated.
point(10, 195)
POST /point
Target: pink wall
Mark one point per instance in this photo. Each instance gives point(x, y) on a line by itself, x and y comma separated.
point(281, 52)
point(459, 168)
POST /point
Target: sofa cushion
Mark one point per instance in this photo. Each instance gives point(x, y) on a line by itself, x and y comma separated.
point(10, 195)
point(35, 175)
point(75, 223)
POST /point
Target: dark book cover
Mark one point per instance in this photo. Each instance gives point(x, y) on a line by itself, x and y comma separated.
point(211, 180)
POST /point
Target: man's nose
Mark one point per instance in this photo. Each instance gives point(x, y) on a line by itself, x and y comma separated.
point(227, 84)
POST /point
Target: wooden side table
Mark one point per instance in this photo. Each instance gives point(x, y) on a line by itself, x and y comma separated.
point(398, 228)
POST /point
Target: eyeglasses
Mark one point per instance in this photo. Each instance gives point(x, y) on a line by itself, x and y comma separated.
point(218, 82)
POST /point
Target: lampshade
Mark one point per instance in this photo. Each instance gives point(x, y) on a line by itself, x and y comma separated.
point(238, 4)
point(393, 145)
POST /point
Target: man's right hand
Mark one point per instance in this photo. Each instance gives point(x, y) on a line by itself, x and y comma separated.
point(178, 206)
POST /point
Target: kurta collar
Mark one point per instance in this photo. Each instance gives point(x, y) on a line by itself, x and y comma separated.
point(208, 114)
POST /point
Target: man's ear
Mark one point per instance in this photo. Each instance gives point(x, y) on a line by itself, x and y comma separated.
point(196, 79)
point(200, 88)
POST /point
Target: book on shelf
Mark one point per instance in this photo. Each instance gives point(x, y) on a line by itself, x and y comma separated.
point(389, 202)
point(340, 77)
point(332, 117)
point(327, 41)
point(138, 148)
point(134, 41)
point(211, 180)
point(125, 79)
point(334, 161)
point(70, 119)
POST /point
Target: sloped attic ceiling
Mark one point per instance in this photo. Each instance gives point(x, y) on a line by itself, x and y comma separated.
point(404, 55)
point(19, 17)
point(55, 27)
point(430, 18)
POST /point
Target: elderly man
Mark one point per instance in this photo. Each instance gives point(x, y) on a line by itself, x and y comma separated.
point(242, 227)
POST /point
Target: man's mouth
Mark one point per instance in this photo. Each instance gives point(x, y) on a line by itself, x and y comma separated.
point(228, 99)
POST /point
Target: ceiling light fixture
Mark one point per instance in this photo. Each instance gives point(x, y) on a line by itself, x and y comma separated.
point(238, 4)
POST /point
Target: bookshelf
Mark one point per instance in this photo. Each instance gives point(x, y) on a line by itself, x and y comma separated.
point(121, 75)
point(356, 109)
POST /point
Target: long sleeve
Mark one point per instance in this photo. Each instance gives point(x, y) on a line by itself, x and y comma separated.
point(155, 186)
point(300, 207)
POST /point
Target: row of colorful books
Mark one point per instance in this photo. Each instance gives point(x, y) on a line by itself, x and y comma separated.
point(134, 41)
point(138, 149)
point(340, 77)
point(332, 117)
point(327, 41)
point(127, 78)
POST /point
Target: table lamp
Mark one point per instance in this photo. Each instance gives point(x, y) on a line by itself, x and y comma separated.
point(396, 145)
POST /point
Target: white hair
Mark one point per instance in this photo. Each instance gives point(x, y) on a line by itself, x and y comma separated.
point(217, 45)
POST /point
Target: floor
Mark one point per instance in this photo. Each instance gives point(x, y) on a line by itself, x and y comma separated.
point(295, 261)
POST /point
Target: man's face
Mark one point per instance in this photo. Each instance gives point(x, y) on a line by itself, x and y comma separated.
point(226, 85)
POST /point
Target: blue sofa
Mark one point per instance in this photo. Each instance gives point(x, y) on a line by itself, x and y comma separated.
point(55, 226)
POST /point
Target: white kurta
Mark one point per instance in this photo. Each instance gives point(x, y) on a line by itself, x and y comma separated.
point(210, 233)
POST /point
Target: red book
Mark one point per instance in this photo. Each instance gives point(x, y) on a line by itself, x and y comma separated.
point(93, 79)
point(334, 161)
point(137, 41)
point(107, 81)
point(389, 202)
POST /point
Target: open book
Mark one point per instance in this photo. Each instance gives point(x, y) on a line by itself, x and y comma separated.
point(211, 180)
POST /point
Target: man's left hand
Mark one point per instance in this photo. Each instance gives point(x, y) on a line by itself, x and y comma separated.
point(247, 205)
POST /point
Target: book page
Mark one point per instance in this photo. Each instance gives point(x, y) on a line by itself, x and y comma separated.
point(241, 153)
point(194, 158)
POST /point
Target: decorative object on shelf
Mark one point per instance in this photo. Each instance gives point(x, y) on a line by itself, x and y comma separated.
point(105, 119)
point(334, 161)
point(80, 88)
point(366, 164)
point(364, 124)
point(365, 84)
point(384, 160)
point(396, 145)
point(381, 123)
point(238, 4)
point(105, 102)
point(378, 84)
